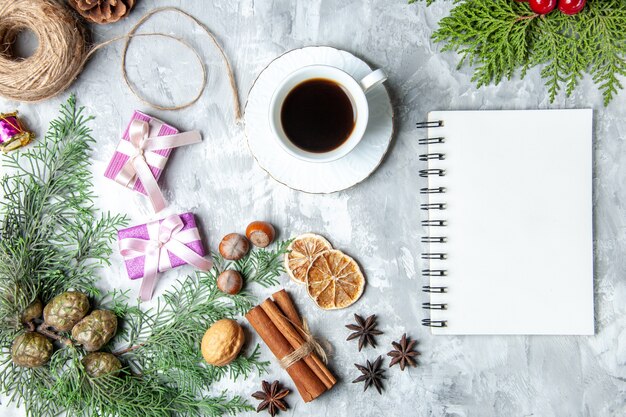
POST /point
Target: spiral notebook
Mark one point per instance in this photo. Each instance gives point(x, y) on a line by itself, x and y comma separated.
point(507, 211)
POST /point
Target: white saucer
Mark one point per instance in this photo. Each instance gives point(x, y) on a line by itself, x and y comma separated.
point(307, 176)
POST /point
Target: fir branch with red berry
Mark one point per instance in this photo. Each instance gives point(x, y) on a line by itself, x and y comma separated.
point(566, 39)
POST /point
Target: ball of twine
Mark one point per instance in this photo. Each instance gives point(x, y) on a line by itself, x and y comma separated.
point(63, 52)
point(57, 61)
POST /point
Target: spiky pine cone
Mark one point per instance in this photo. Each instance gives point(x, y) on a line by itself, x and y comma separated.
point(101, 363)
point(103, 11)
point(65, 310)
point(32, 312)
point(95, 330)
point(31, 350)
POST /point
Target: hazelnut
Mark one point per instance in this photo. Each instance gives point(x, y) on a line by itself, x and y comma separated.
point(261, 234)
point(230, 282)
point(222, 342)
point(234, 246)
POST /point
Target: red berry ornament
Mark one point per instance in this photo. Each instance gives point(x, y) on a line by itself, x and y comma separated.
point(571, 6)
point(542, 6)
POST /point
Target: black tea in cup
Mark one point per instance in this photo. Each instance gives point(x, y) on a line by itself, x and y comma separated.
point(317, 115)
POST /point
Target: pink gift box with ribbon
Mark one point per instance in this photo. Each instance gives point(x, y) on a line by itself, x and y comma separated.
point(161, 245)
point(142, 153)
point(119, 159)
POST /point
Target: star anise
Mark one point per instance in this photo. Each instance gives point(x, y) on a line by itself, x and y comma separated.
point(365, 330)
point(271, 398)
point(372, 374)
point(403, 353)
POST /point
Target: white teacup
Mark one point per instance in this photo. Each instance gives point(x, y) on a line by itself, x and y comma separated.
point(355, 90)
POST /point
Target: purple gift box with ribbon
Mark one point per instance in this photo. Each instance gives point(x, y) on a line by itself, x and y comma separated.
point(142, 153)
point(119, 159)
point(161, 245)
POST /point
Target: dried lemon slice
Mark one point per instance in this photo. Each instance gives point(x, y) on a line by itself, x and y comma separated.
point(301, 253)
point(334, 280)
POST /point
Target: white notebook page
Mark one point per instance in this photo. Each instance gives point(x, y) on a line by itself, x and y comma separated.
point(519, 222)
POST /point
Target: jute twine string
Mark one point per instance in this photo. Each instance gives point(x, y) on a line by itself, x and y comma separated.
point(63, 52)
point(310, 345)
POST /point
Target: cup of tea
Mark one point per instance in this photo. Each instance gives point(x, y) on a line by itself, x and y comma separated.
point(319, 113)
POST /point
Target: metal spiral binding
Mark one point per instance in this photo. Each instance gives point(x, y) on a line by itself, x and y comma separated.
point(428, 125)
point(430, 223)
point(431, 289)
point(432, 156)
point(433, 206)
point(434, 323)
point(428, 172)
point(425, 173)
point(434, 272)
point(434, 306)
point(434, 239)
point(437, 190)
point(431, 141)
point(431, 255)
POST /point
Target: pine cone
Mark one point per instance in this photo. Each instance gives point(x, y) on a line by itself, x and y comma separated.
point(65, 310)
point(31, 350)
point(33, 311)
point(95, 330)
point(103, 11)
point(101, 363)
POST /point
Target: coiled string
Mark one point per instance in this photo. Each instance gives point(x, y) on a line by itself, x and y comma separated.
point(57, 61)
point(63, 52)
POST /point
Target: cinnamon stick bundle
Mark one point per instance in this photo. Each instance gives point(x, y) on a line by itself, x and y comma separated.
point(279, 325)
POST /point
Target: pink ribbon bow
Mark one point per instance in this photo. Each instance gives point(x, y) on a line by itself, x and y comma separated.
point(164, 236)
point(140, 149)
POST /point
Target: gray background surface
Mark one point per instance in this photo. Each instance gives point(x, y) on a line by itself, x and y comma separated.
point(378, 221)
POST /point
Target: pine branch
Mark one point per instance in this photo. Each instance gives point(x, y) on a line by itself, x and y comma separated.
point(261, 266)
point(246, 365)
point(163, 343)
point(169, 348)
point(608, 38)
point(51, 238)
point(501, 37)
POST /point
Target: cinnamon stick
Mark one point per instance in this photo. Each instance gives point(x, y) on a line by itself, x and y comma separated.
point(288, 308)
point(286, 305)
point(296, 340)
point(307, 383)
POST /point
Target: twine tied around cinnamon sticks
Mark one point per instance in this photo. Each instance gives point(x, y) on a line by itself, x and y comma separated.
point(278, 323)
point(310, 345)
